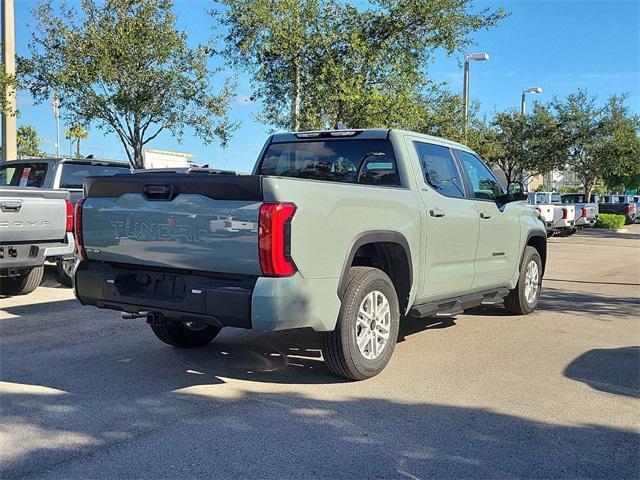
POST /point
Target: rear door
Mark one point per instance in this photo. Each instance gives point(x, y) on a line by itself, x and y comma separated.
point(498, 253)
point(451, 221)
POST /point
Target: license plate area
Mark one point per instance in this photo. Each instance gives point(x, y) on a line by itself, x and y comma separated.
point(166, 286)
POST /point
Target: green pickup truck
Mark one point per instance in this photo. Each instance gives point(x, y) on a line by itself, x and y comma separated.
point(343, 232)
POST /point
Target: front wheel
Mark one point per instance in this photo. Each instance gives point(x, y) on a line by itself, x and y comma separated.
point(367, 328)
point(185, 334)
point(523, 299)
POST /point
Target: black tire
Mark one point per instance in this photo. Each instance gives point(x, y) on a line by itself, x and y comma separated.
point(61, 274)
point(339, 347)
point(22, 284)
point(177, 334)
point(516, 302)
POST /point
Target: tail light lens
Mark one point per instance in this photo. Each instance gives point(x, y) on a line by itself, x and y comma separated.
point(565, 213)
point(629, 209)
point(69, 216)
point(274, 239)
point(584, 213)
point(77, 231)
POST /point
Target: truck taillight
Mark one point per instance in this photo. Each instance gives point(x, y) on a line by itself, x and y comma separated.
point(69, 216)
point(274, 239)
point(629, 209)
point(584, 213)
point(77, 231)
point(565, 213)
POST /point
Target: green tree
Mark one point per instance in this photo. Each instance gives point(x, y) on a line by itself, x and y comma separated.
point(28, 142)
point(123, 65)
point(316, 63)
point(602, 141)
point(522, 146)
point(620, 150)
point(76, 132)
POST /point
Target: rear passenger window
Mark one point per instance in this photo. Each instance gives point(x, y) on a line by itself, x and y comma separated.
point(485, 186)
point(439, 169)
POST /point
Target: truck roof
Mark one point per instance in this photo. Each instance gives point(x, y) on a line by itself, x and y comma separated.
point(80, 161)
point(367, 133)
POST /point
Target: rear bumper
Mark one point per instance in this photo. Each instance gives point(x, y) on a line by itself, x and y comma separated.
point(183, 297)
point(564, 224)
point(585, 222)
point(25, 255)
point(261, 303)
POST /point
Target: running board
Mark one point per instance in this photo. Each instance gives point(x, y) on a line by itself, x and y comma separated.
point(455, 306)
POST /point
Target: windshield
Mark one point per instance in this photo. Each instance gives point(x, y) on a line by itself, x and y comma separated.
point(73, 174)
point(23, 174)
point(350, 161)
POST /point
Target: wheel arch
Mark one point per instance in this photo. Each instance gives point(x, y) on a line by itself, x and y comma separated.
point(387, 250)
point(538, 240)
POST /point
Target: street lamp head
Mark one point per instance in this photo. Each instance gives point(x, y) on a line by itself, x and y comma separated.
point(533, 90)
point(478, 57)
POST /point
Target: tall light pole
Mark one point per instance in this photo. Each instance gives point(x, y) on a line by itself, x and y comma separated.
point(523, 103)
point(9, 62)
point(478, 57)
point(55, 106)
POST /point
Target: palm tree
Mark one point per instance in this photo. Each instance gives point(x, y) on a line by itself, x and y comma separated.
point(77, 132)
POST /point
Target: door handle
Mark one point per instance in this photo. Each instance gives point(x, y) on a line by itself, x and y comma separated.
point(436, 212)
point(485, 215)
point(10, 206)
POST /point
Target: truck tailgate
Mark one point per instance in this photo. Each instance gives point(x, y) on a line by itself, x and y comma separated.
point(190, 221)
point(32, 214)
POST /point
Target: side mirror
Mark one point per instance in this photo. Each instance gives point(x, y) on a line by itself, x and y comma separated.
point(515, 193)
point(515, 188)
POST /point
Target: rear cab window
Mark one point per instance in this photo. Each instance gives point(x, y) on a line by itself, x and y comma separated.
point(23, 174)
point(363, 161)
point(73, 174)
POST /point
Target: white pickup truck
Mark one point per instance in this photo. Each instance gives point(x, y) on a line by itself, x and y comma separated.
point(35, 225)
point(558, 218)
point(586, 212)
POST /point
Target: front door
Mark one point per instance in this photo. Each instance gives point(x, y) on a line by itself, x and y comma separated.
point(498, 253)
point(451, 222)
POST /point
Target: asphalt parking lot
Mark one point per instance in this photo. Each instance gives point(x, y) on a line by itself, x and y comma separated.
point(85, 394)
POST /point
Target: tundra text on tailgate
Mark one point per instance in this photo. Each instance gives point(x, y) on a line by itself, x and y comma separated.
point(339, 231)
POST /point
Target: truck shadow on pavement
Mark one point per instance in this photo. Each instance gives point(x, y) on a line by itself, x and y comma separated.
point(613, 370)
point(289, 435)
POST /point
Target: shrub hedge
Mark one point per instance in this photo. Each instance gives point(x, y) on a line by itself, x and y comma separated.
point(610, 221)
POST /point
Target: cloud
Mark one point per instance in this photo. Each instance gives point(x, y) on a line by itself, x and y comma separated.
point(243, 100)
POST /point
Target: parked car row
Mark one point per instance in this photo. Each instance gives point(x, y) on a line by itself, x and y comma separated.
point(564, 214)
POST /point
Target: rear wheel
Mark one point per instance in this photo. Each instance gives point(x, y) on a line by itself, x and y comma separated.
point(22, 284)
point(367, 327)
point(64, 269)
point(185, 334)
point(523, 299)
